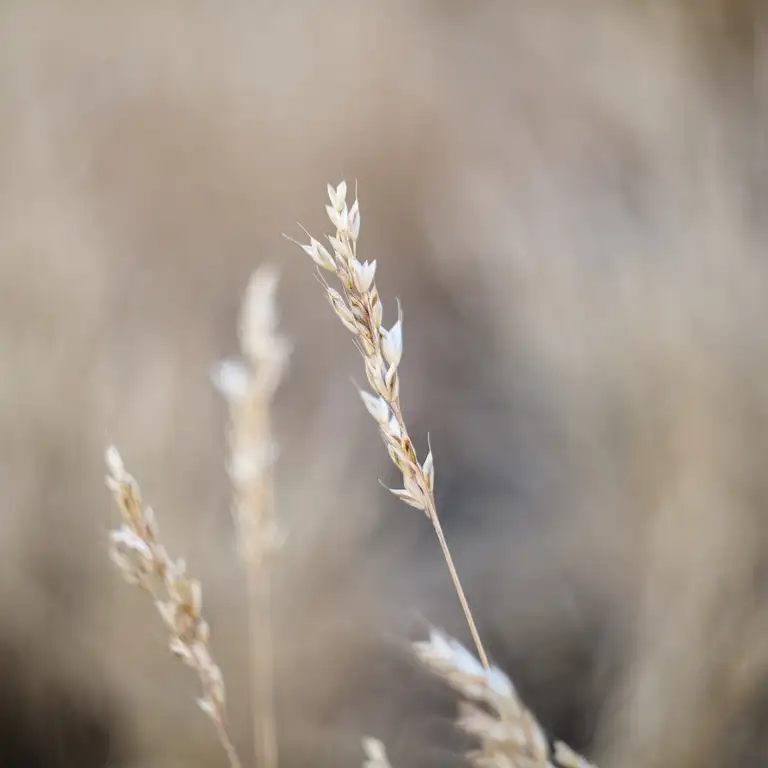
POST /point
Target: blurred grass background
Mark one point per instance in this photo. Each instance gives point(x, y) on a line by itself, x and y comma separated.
point(569, 199)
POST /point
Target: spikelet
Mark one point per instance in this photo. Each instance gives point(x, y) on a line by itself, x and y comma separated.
point(493, 713)
point(360, 310)
point(248, 387)
point(136, 550)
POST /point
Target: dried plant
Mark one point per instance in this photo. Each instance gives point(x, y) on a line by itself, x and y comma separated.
point(509, 734)
point(248, 387)
point(136, 550)
point(360, 310)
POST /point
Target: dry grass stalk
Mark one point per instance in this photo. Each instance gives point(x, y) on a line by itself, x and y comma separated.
point(360, 310)
point(375, 754)
point(509, 734)
point(136, 549)
point(249, 387)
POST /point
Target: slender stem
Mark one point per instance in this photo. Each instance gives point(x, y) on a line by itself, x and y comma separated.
point(432, 514)
point(262, 658)
point(226, 741)
point(457, 584)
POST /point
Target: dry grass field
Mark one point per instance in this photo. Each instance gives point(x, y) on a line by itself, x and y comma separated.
point(568, 198)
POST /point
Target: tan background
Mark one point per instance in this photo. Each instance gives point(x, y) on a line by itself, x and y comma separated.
point(569, 199)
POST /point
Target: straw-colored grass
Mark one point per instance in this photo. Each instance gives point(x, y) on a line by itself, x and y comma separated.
point(136, 549)
point(508, 733)
point(248, 386)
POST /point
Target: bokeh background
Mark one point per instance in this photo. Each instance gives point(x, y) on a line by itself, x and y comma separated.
point(569, 198)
